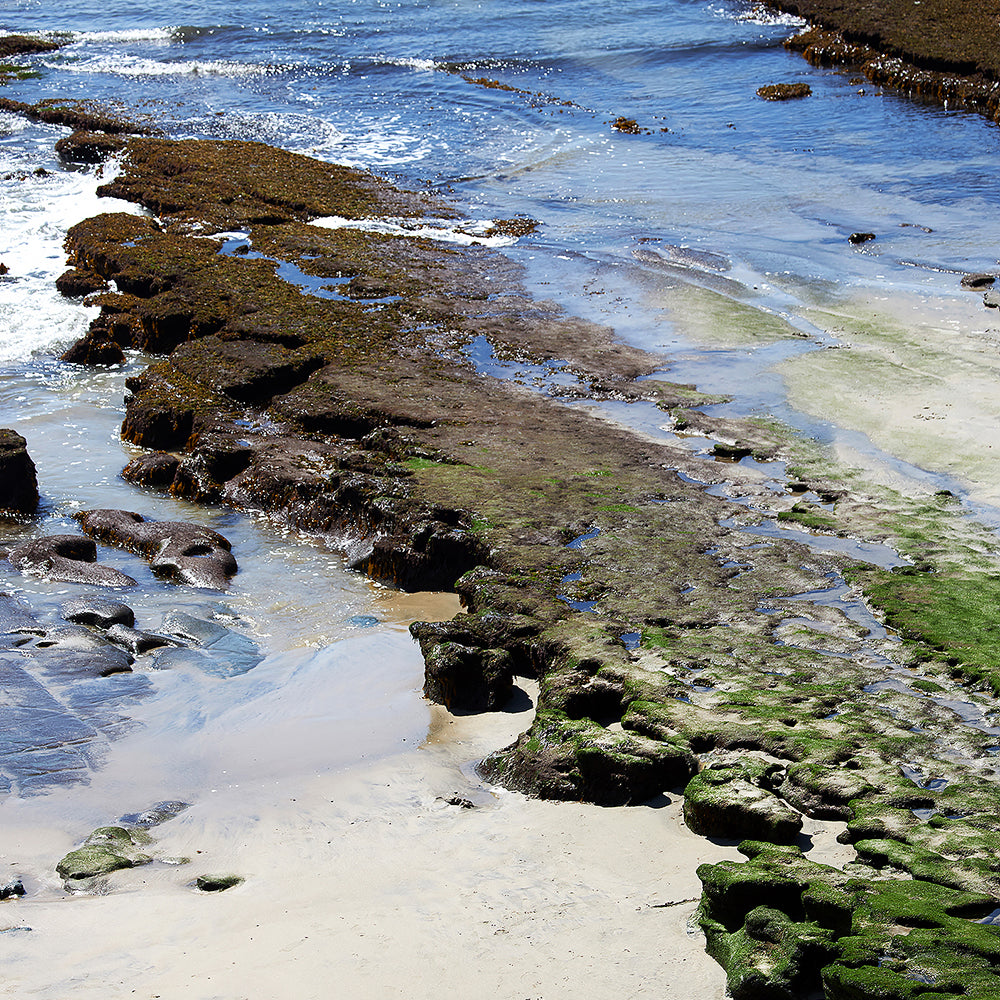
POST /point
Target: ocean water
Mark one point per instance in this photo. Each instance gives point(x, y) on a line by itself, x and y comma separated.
point(718, 236)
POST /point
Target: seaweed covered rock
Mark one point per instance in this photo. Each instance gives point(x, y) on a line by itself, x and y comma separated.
point(467, 679)
point(735, 799)
point(786, 927)
point(578, 759)
point(107, 849)
point(18, 480)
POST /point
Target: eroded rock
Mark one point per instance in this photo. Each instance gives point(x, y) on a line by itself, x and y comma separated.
point(186, 552)
point(66, 559)
point(18, 480)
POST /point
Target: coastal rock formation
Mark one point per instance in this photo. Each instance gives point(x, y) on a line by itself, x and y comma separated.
point(186, 552)
point(66, 559)
point(660, 634)
point(18, 480)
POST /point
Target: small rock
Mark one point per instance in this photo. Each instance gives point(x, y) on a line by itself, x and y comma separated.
point(153, 469)
point(784, 91)
point(14, 888)
point(858, 238)
point(137, 641)
point(627, 125)
point(977, 281)
point(992, 299)
point(66, 559)
point(457, 800)
point(154, 815)
point(107, 849)
point(217, 883)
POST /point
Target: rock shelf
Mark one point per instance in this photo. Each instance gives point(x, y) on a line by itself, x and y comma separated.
point(587, 557)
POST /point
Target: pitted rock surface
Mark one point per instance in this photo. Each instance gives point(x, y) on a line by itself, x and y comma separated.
point(66, 559)
point(186, 552)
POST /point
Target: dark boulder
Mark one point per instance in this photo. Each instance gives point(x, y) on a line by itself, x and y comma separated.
point(468, 679)
point(186, 552)
point(94, 351)
point(978, 281)
point(98, 611)
point(18, 482)
point(66, 559)
point(136, 641)
point(859, 238)
point(155, 469)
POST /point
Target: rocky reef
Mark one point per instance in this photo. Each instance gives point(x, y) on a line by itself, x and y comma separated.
point(334, 377)
point(938, 50)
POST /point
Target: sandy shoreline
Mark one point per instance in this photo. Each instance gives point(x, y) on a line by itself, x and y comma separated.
point(365, 883)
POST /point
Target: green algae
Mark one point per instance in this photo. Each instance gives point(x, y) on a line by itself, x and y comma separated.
point(952, 617)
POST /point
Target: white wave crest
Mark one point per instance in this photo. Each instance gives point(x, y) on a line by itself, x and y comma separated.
point(441, 230)
point(165, 34)
point(757, 13)
point(35, 213)
point(138, 67)
point(427, 65)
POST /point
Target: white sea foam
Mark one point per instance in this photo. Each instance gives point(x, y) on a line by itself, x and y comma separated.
point(427, 65)
point(35, 213)
point(165, 34)
point(441, 230)
point(759, 14)
point(136, 66)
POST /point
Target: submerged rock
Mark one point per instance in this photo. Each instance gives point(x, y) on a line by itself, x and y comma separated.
point(98, 611)
point(18, 480)
point(784, 91)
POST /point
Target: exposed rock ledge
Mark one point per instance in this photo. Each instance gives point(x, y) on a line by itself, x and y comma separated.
point(326, 375)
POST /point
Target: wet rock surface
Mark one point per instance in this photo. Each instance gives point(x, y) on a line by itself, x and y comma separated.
point(18, 480)
point(66, 559)
point(186, 552)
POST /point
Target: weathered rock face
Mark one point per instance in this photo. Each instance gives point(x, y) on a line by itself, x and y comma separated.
point(98, 611)
point(66, 559)
point(735, 800)
point(18, 481)
point(88, 147)
point(464, 679)
point(187, 552)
